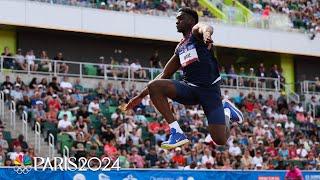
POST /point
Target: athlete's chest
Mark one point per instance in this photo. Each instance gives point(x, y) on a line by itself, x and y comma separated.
point(188, 53)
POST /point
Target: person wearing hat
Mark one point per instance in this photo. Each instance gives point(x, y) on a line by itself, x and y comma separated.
point(257, 159)
point(16, 93)
point(178, 157)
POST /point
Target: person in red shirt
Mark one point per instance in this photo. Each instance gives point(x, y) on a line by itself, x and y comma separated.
point(293, 151)
point(110, 150)
point(272, 150)
point(293, 173)
point(179, 158)
point(54, 101)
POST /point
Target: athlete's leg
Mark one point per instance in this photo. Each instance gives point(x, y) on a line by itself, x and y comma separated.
point(219, 127)
point(159, 91)
point(218, 124)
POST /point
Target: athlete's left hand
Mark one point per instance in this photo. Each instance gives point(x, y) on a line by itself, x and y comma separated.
point(207, 38)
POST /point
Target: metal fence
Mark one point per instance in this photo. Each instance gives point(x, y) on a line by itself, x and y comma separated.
point(51, 145)
point(119, 72)
point(37, 137)
point(24, 118)
point(310, 87)
point(13, 115)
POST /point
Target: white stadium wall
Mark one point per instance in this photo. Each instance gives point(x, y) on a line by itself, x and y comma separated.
point(88, 20)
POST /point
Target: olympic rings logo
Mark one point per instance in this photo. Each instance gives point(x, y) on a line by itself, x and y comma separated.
point(22, 169)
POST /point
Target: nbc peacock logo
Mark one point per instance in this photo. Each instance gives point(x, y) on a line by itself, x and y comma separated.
point(22, 164)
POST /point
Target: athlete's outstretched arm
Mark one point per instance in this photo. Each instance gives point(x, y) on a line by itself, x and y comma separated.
point(203, 32)
point(170, 68)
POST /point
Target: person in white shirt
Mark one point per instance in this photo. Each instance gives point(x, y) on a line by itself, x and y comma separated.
point(17, 152)
point(94, 106)
point(65, 84)
point(289, 126)
point(301, 151)
point(257, 159)
point(207, 157)
point(64, 124)
point(235, 149)
point(136, 68)
point(16, 93)
point(20, 61)
point(30, 58)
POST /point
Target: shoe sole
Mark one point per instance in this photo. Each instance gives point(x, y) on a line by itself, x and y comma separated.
point(171, 146)
point(235, 109)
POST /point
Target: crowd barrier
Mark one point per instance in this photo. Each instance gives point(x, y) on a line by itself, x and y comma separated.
point(154, 174)
point(127, 73)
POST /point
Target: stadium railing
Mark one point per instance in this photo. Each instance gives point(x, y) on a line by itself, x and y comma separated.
point(24, 118)
point(13, 114)
point(309, 87)
point(128, 73)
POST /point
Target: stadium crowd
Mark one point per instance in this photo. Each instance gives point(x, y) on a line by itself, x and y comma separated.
point(303, 14)
point(92, 124)
point(160, 8)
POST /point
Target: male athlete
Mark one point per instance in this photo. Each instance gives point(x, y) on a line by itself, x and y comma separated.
point(200, 85)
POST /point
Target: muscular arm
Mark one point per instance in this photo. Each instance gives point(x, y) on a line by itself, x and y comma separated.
point(203, 32)
point(170, 68)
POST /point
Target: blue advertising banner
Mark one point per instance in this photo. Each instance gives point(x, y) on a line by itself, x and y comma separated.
point(154, 174)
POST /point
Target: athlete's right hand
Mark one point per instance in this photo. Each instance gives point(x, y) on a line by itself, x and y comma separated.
point(133, 103)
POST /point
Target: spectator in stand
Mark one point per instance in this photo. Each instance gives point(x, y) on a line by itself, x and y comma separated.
point(136, 69)
point(123, 71)
point(61, 65)
point(261, 74)
point(136, 159)
point(257, 159)
point(155, 61)
point(30, 58)
point(54, 85)
point(3, 143)
point(232, 76)
point(102, 66)
point(293, 173)
point(65, 84)
point(64, 124)
point(274, 73)
point(178, 157)
point(223, 75)
point(251, 80)
point(242, 80)
point(265, 16)
point(20, 142)
point(8, 62)
point(44, 64)
point(20, 61)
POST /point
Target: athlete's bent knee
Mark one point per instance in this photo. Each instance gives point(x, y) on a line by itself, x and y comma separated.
point(221, 142)
point(153, 86)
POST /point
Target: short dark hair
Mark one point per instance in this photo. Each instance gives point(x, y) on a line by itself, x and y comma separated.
point(190, 12)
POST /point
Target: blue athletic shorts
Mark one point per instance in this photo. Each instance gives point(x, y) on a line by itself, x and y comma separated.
point(208, 97)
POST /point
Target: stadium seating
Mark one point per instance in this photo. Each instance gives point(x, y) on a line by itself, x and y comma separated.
point(268, 120)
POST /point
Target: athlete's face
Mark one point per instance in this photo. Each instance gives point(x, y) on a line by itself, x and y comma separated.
point(183, 21)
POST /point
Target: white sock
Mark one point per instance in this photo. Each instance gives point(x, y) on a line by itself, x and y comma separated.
point(176, 126)
point(227, 112)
